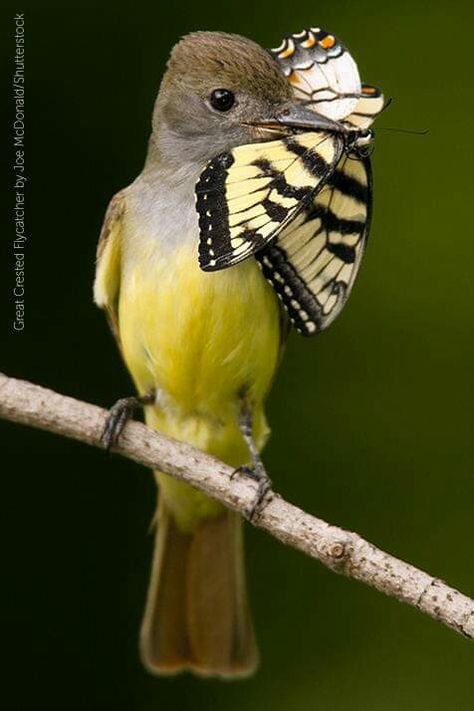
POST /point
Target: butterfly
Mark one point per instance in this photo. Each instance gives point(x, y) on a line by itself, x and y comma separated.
point(301, 205)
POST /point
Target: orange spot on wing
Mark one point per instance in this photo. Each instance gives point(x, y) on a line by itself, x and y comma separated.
point(287, 52)
point(328, 42)
point(295, 79)
point(369, 90)
point(310, 42)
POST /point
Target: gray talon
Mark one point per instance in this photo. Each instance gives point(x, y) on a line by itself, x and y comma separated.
point(256, 473)
point(118, 416)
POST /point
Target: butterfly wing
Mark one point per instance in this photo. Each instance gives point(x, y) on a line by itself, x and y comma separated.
point(246, 197)
point(369, 105)
point(313, 263)
point(321, 71)
point(324, 75)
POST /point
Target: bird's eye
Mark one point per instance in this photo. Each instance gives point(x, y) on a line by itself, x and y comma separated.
point(222, 99)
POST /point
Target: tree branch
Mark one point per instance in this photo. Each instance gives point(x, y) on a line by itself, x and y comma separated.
point(342, 551)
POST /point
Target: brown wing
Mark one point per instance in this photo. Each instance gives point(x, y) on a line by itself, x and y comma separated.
point(108, 265)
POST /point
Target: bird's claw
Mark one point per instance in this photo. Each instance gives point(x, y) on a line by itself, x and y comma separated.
point(264, 487)
point(118, 416)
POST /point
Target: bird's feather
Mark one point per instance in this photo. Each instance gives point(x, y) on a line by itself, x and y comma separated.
point(108, 266)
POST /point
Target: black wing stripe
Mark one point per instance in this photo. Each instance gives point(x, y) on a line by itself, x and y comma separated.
point(246, 197)
point(279, 183)
point(332, 223)
point(290, 288)
point(276, 212)
point(208, 205)
point(312, 161)
point(313, 270)
point(350, 186)
point(342, 251)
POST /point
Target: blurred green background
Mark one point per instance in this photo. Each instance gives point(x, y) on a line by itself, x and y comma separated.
point(372, 421)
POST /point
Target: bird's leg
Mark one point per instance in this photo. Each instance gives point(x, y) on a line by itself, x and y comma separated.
point(120, 413)
point(257, 470)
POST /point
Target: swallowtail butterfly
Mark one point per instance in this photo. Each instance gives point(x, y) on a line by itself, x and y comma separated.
point(302, 204)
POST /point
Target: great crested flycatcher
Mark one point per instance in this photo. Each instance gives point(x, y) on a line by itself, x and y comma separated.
point(203, 346)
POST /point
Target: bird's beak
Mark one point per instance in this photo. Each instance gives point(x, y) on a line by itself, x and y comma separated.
point(297, 117)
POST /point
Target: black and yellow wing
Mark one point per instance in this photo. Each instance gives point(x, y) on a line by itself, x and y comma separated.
point(245, 198)
point(370, 104)
point(302, 204)
point(313, 263)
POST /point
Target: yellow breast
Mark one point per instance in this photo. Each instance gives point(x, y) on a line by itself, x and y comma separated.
point(200, 338)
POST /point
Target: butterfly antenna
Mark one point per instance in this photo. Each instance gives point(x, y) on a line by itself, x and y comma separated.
point(414, 132)
point(386, 105)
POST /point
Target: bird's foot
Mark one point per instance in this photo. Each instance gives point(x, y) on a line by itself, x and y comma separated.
point(119, 414)
point(258, 473)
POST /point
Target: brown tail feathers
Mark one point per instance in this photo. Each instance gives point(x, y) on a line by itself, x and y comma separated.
point(196, 616)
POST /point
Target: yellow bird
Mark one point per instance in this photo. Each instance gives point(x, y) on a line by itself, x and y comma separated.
point(202, 342)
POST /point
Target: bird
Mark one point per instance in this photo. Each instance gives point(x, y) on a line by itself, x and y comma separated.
point(201, 343)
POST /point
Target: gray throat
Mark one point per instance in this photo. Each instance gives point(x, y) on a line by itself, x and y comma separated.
point(165, 194)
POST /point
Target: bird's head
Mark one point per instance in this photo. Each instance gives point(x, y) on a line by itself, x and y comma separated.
point(221, 91)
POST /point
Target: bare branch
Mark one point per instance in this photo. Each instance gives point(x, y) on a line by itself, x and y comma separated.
point(342, 551)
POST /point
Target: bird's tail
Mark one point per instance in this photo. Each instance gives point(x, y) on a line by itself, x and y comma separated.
point(196, 615)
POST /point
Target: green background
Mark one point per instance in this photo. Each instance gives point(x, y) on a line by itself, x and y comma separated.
point(372, 421)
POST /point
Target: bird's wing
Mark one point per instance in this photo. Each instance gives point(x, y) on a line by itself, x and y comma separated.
point(245, 198)
point(108, 265)
point(313, 263)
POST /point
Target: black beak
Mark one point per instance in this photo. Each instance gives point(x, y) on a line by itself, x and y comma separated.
point(298, 116)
